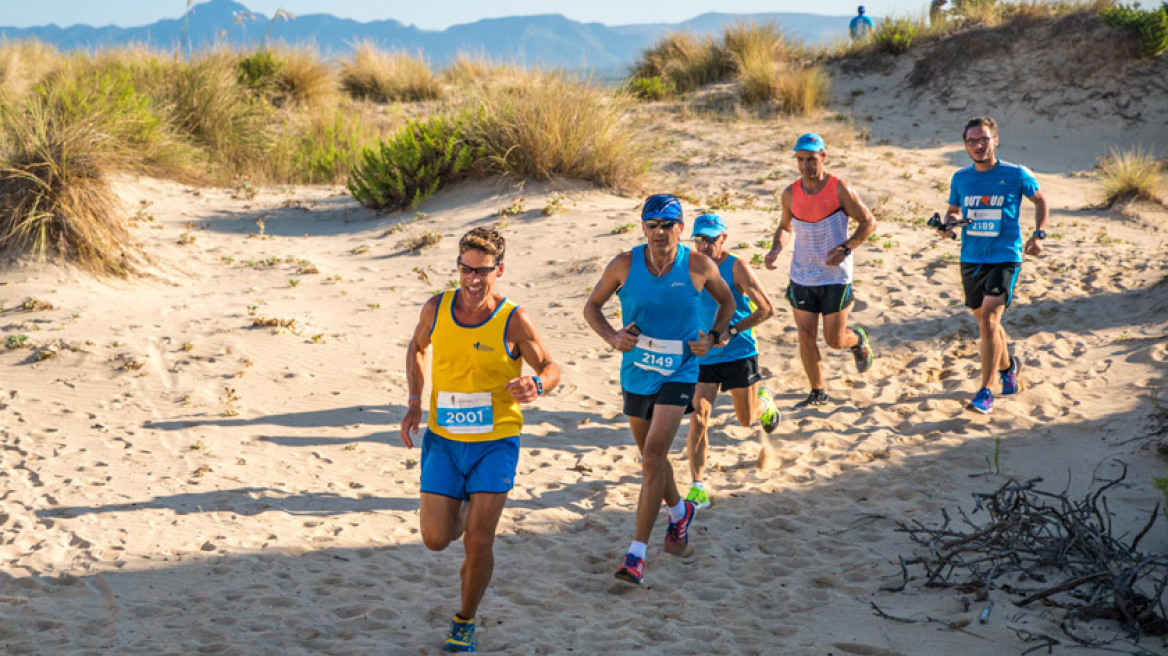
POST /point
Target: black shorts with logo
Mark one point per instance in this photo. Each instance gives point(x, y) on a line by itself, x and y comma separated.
point(981, 280)
point(820, 299)
point(731, 375)
point(641, 405)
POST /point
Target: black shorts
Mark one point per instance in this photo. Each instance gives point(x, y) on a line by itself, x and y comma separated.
point(641, 405)
point(820, 299)
point(981, 280)
point(732, 375)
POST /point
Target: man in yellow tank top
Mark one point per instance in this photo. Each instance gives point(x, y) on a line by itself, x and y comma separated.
point(471, 446)
point(816, 212)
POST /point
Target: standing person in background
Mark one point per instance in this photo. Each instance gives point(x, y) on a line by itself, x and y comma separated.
point(816, 211)
point(734, 366)
point(470, 450)
point(861, 26)
point(659, 284)
point(988, 196)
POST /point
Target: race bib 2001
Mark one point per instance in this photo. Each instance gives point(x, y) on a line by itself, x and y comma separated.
point(465, 413)
point(662, 356)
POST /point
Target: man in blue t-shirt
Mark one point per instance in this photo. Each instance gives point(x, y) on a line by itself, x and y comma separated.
point(861, 26)
point(988, 197)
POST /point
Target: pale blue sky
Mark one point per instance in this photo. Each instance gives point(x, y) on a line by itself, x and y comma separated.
point(433, 14)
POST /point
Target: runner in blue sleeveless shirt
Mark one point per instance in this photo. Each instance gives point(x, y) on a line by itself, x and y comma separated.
point(659, 285)
point(734, 367)
point(987, 195)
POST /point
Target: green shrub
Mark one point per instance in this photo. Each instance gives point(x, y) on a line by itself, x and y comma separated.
point(1150, 26)
point(324, 149)
point(895, 35)
point(260, 71)
point(652, 88)
point(407, 169)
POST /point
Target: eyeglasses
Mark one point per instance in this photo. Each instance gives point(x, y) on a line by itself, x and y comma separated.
point(979, 141)
point(702, 239)
point(479, 271)
point(653, 224)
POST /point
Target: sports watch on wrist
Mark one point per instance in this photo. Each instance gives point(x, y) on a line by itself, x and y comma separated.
point(538, 385)
point(1039, 234)
point(732, 331)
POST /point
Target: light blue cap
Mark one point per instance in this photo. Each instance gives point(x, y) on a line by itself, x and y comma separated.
point(709, 225)
point(812, 142)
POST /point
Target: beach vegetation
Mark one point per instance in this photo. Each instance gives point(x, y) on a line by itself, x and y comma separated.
point(1150, 26)
point(683, 61)
point(406, 169)
point(1133, 174)
point(415, 242)
point(380, 76)
point(895, 35)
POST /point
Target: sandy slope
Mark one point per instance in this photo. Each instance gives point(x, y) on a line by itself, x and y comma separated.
point(177, 481)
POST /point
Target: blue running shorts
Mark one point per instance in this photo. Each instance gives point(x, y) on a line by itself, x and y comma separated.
point(460, 469)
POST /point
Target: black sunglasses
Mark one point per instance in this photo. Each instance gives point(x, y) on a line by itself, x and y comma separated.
point(702, 239)
point(653, 224)
point(480, 271)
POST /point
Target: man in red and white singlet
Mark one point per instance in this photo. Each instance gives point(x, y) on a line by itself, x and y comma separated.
point(817, 209)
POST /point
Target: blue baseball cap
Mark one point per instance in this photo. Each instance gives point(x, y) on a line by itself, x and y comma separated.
point(662, 206)
point(861, 9)
point(709, 225)
point(812, 142)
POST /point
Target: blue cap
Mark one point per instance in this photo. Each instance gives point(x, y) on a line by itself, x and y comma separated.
point(861, 9)
point(662, 206)
point(709, 225)
point(812, 142)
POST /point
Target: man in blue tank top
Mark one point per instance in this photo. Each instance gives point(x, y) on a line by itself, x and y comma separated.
point(659, 284)
point(988, 197)
point(734, 366)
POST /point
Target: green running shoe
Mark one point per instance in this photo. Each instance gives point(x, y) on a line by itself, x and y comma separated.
point(862, 351)
point(770, 416)
point(698, 497)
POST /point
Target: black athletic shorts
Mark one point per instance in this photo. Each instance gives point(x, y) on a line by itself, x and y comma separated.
point(732, 375)
point(641, 405)
point(981, 280)
point(821, 299)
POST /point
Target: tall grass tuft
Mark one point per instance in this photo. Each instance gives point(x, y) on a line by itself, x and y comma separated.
point(684, 61)
point(208, 103)
point(751, 41)
point(55, 199)
point(379, 76)
point(285, 75)
point(1131, 175)
point(22, 65)
point(802, 90)
point(549, 125)
point(323, 148)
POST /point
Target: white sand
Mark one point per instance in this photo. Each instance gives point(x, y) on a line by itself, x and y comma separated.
point(176, 481)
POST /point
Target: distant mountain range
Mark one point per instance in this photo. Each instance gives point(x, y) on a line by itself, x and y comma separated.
point(548, 40)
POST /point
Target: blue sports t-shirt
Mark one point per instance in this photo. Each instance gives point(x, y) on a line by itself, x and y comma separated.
point(992, 201)
point(665, 308)
point(743, 345)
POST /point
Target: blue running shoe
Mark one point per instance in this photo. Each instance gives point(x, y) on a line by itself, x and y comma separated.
point(1010, 384)
point(677, 535)
point(461, 637)
point(983, 402)
point(633, 570)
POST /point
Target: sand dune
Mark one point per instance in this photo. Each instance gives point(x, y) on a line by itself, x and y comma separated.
point(179, 479)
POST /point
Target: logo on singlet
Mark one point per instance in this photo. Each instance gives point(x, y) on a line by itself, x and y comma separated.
point(479, 346)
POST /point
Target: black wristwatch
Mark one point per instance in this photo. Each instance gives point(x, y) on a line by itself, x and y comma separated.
point(732, 331)
point(1039, 234)
point(538, 385)
point(716, 335)
point(847, 250)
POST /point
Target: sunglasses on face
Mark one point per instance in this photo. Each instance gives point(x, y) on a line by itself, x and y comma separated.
point(702, 239)
point(479, 271)
point(653, 224)
point(979, 141)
